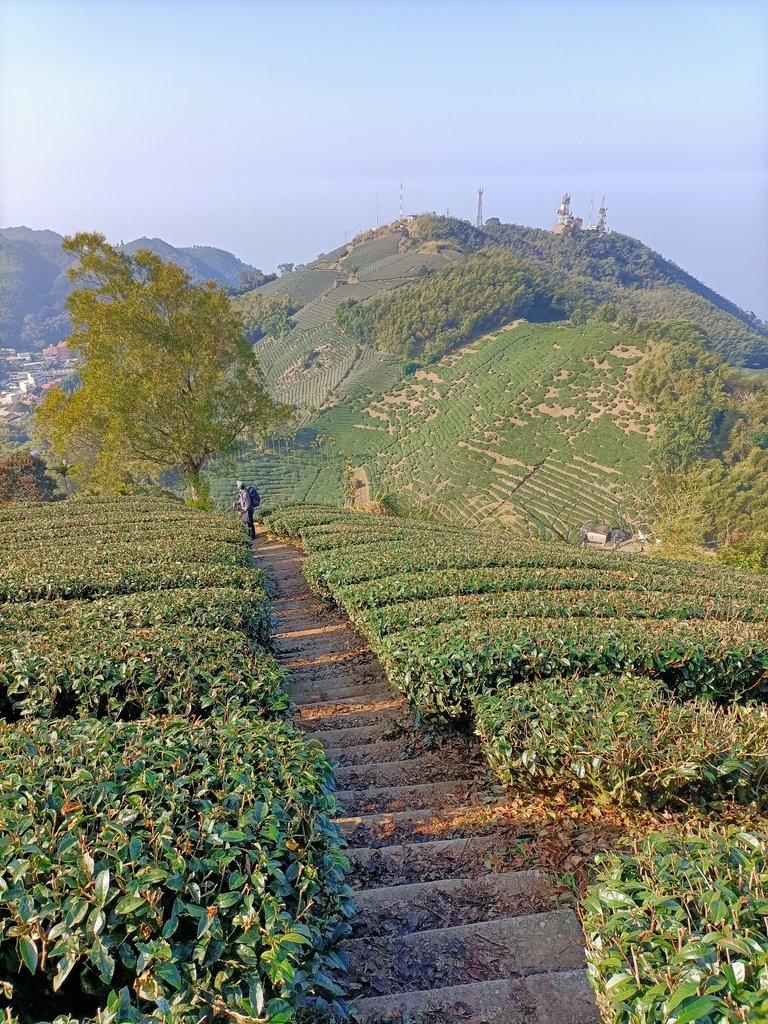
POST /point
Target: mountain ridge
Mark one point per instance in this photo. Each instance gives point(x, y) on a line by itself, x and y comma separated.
point(34, 283)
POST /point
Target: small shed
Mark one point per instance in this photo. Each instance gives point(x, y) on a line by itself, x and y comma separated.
point(597, 533)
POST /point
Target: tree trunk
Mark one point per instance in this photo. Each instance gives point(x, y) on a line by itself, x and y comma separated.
point(198, 488)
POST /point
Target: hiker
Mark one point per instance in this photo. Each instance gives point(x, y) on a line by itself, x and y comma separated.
point(247, 501)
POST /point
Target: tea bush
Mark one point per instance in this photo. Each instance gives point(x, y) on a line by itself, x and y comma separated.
point(439, 668)
point(192, 869)
point(127, 674)
point(218, 607)
point(676, 930)
point(623, 740)
point(166, 850)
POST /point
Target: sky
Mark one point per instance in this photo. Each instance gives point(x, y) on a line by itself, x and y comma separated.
point(278, 129)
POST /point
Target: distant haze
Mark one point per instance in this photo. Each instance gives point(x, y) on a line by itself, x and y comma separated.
point(268, 128)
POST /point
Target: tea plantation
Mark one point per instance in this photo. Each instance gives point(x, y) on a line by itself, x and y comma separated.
point(285, 470)
point(620, 680)
point(531, 428)
point(166, 848)
point(316, 365)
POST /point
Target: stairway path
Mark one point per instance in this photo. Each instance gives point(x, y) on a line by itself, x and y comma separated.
point(445, 931)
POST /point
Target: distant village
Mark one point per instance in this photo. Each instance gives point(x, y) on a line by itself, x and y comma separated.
point(26, 376)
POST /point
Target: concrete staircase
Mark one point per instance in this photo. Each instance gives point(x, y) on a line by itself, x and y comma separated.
point(445, 932)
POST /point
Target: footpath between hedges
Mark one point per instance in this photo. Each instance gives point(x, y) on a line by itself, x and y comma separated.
point(455, 924)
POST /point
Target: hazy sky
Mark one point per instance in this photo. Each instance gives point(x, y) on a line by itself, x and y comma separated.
point(268, 127)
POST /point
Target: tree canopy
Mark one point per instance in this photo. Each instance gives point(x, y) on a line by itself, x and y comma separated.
point(616, 268)
point(266, 313)
point(685, 386)
point(167, 379)
point(425, 319)
point(710, 447)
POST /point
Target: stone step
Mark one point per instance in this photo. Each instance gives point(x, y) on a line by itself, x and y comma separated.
point(320, 716)
point(367, 753)
point(423, 825)
point(431, 796)
point(469, 857)
point(334, 693)
point(564, 997)
point(356, 735)
point(466, 953)
point(334, 649)
point(392, 718)
point(411, 772)
point(402, 909)
point(361, 657)
point(307, 622)
point(331, 674)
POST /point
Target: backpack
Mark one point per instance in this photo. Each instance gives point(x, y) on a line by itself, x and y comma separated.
point(254, 495)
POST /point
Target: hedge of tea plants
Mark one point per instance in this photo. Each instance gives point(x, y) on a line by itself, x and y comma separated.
point(676, 930)
point(518, 636)
point(628, 679)
point(166, 845)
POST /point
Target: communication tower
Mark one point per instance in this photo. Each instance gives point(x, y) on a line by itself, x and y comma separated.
point(566, 222)
point(602, 213)
point(479, 223)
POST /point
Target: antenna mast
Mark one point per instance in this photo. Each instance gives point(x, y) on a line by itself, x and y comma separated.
point(602, 213)
point(479, 223)
point(566, 222)
point(401, 200)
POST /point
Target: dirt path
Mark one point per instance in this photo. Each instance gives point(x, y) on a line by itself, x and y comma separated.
point(449, 928)
point(362, 492)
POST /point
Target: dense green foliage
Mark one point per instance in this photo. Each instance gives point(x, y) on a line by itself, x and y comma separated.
point(166, 845)
point(619, 269)
point(710, 447)
point(266, 313)
point(167, 379)
point(427, 318)
point(751, 554)
point(623, 741)
point(676, 930)
point(166, 863)
point(685, 387)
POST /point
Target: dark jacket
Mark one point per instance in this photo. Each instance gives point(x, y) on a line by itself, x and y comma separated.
point(244, 501)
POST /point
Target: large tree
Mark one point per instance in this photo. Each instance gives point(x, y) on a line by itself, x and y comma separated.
point(167, 379)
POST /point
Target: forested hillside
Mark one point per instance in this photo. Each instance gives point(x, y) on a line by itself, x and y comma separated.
point(34, 284)
point(616, 268)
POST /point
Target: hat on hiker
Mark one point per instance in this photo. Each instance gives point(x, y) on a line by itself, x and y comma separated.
point(240, 483)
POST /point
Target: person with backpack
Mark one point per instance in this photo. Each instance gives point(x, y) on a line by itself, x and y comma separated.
point(248, 500)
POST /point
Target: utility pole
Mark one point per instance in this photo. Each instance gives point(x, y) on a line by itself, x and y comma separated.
point(479, 222)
